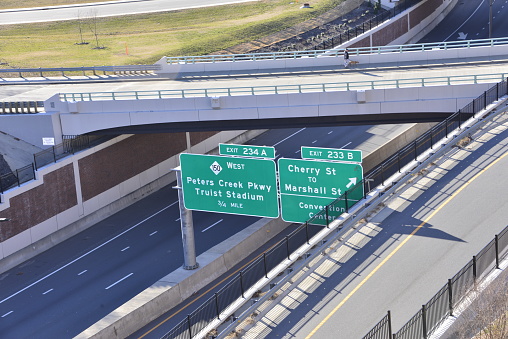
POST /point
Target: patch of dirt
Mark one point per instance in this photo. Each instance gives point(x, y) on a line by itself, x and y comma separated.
point(319, 33)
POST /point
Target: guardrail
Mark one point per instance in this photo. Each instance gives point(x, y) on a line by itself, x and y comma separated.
point(40, 71)
point(21, 107)
point(446, 301)
point(286, 89)
point(213, 308)
point(335, 52)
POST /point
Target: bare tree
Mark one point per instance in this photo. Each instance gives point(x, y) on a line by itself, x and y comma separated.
point(93, 24)
point(487, 316)
point(81, 23)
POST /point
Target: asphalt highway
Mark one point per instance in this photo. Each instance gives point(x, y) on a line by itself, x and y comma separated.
point(103, 9)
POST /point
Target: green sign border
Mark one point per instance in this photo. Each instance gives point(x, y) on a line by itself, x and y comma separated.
point(245, 149)
point(236, 184)
point(357, 154)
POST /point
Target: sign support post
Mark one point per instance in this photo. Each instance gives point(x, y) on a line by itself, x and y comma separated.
point(187, 225)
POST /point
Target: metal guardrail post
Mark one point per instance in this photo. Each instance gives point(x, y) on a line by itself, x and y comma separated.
point(390, 330)
point(287, 247)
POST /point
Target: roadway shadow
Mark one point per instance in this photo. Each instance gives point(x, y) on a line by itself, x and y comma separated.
point(351, 267)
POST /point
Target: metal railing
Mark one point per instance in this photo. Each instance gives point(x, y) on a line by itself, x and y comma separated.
point(338, 52)
point(63, 71)
point(235, 288)
point(287, 89)
point(17, 177)
point(70, 145)
point(445, 302)
point(21, 107)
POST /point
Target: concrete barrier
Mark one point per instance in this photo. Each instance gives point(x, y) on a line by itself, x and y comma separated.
point(181, 284)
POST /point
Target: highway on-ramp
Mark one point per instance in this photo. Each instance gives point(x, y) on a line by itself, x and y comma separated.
point(406, 253)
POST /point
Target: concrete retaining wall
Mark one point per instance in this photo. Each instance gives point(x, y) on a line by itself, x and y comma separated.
point(29, 240)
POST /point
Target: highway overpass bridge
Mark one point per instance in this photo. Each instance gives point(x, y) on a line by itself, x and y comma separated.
point(392, 84)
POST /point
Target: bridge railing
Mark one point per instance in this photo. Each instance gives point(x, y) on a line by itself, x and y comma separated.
point(197, 320)
point(63, 71)
point(335, 52)
point(286, 89)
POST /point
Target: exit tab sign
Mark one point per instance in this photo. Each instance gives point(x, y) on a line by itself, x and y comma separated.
point(247, 151)
point(333, 154)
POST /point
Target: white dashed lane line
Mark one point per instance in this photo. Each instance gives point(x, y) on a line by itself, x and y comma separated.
point(153, 233)
point(6, 314)
point(206, 229)
point(288, 137)
point(82, 272)
point(125, 249)
point(113, 284)
point(48, 291)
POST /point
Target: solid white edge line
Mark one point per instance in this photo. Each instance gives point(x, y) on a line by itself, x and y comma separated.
point(113, 284)
point(87, 253)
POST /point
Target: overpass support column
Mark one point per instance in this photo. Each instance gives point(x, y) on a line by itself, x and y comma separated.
point(187, 225)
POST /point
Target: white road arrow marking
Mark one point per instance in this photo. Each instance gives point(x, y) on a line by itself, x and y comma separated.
point(462, 36)
point(352, 182)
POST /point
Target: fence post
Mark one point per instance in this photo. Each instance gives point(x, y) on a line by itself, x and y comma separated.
point(496, 243)
point(450, 297)
point(484, 99)
point(345, 200)
point(424, 322)
point(241, 282)
point(189, 325)
point(307, 232)
point(287, 246)
point(474, 268)
point(326, 215)
point(217, 305)
point(390, 323)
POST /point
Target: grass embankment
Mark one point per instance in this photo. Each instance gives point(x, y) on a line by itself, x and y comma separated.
point(145, 38)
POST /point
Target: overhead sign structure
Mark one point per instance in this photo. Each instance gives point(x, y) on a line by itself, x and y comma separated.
point(308, 186)
point(231, 185)
point(346, 155)
point(247, 151)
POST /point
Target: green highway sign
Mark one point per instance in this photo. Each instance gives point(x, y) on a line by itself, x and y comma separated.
point(247, 151)
point(333, 154)
point(231, 185)
point(307, 186)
